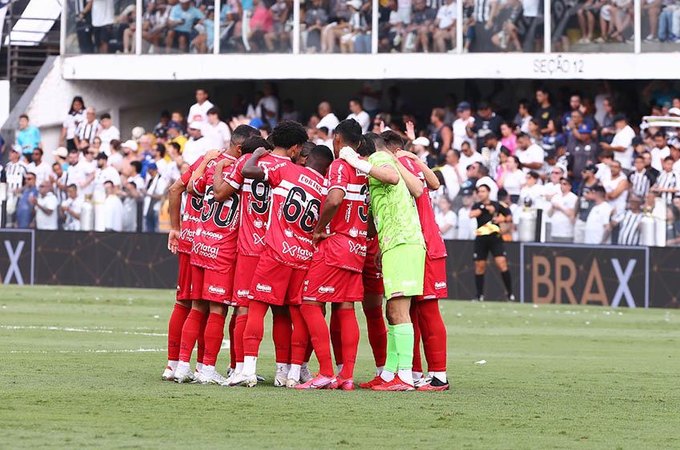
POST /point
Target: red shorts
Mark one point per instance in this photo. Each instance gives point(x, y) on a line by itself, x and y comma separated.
point(434, 285)
point(275, 283)
point(183, 277)
point(372, 274)
point(217, 286)
point(243, 276)
point(196, 282)
point(325, 283)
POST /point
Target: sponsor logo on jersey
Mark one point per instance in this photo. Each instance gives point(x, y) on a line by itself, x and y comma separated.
point(263, 288)
point(258, 240)
point(242, 293)
point(440, 285)
point(304, 179)
point(353, 232)
point(198, 232)
point(205, 250)
point(187, 234)
point(326, 289)
point(216, 290)
point(356, 248)
point(212, 235)
point(296, 251)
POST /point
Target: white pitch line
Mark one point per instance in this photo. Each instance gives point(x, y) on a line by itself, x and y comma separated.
point(138, 350)
point(80, 330)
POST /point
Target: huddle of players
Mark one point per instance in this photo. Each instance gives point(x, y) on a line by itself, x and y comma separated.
point(267, 227)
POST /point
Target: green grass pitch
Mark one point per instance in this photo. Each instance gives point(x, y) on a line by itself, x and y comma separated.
point(81, 369)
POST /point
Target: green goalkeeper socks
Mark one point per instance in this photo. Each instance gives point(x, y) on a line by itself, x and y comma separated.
point(392, 361)
point(403, 339)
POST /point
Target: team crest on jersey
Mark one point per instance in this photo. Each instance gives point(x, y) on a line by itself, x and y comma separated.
point(288, 233)
point(354, 232)
point(258, 223)
point(263, 288)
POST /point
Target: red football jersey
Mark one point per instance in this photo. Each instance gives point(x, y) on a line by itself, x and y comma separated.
point(255, 199)
point(346, 247)
point(297, 193)
point(433, 237)
point(191, 214)
point(214, 246)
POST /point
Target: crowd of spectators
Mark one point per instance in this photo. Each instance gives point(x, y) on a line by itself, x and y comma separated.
point(592, 172)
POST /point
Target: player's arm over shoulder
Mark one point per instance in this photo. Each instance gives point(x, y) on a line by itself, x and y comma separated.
point(383, 168)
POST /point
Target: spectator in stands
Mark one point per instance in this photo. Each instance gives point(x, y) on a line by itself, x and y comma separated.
point(27, 137)
point(491, 152)
point(154, 26)
point(530, 155)
point(357, 113)
point(616, 187)
point(508, 137)
point(446, 219)
point(453, 173)
point(597, 224)
point(316, 18)
point(419, 31)
point(512, 178)
point(103, 15)
point(60, 155)
point(76, 114)
point(669, 22)
point(562, 212)
point(26, 202)
point(585, 201)
point(640, 178)
point(269, 104)
point(107, 132)
point(660, 151)
point(580, 150)
point(469, 156)
point(586, 19)
point(41, 169)
point(279, 38)
point(445, 27)
point(156, 188)
point(545, 113)
point(327, 118)
point(133, 195)
point(70, 209)
point(87, 166)
point(628, 223)
point(218, 127)
point(523, 116)
point(486, 121)
point(113, 209)
point(441, 135)
point(46, 205)
point(615, 18)
point(667, 185)
point(14, 173)
point(506, 37)
point(199, 110)
point(87, 130)
point(174, 135)
point(531, 193)
point(466, 225)
point(622, 143)
point(261, 24)
point(421, 147)
point(197, 145)
point(183, 17)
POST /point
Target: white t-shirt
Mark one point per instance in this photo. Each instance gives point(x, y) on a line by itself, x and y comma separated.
point(619, 203)
point(269, 103)
point(447, 15)
point(493, 191)
point(550, 190)
point(460, 133)
point(363, 118)
point(158, 186)
point(101, 176)
point(44, 221)
point(76, 205)
point(533, 154)
point(604, 173)
point(198, 112)
point(194, 149)
point(449, 218)
point(624, 138)
point(466, 225)
point(222, 130)
point(530, 8)
point(86, 168)
point(658, 155)
point(42, 171)
point(535, 193)
point(562, 226)
point(329, 121)
point(103, 13)
point(598, 218)
point(453, 177)
point(107, 135)
point(464, 161)
point(513, 181)
point(113, 213)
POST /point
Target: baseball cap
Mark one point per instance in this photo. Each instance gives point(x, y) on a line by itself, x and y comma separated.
point(61, 152)
point(590, 168)
point(463, 106)
point(15, 148)
point(175, 125)
point(425, 142)
point(152, 166)
point(256, 122)
point(674, 142)
point(674, 111)
point(356, 4)
point(619, 117)
point(467, 191)
point(184, 1)
point(196, 125)
point(132, 145)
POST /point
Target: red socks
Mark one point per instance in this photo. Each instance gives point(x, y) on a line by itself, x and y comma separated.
point(214, 333)
point(190, 333)
point(336, 339)
point(300, 337)
point(434, 335)
point(177, 318)
point(201, 340)
point(237, 343)
point(417, 360)
point(252, 335)
point(282, 331)
point(232, 352)
point(350, 340)
point(377, 334)
point(318, 331)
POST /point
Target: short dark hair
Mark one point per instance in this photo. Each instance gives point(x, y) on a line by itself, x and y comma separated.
point(39, 150)
point(356, 100)
point(243, 132)
point(598, 190)
point(72, 186)
point(252, 143)
point(23, 116)
point(288, 133)
point(482, 169)
point(392, 139)
point(176, 146)
point(321, 153)
point(659, 134)
point(160, 148)
point(214, 110)
point(522, 135)
point(105, 116)
point(366, 147)
point(375, 139)
point(137, 165)
point(668, 158)
point(533, 174)
point(350, 131)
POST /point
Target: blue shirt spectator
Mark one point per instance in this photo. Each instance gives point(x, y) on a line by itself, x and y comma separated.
point(187, 14)
point(28, 136)
point(25, 207)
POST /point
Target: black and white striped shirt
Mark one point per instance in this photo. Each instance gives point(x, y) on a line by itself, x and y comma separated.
point(667, 180)
point(641, 182)
point(483, 10)
point(629, 228)
point(87, 131)
point(15, 173)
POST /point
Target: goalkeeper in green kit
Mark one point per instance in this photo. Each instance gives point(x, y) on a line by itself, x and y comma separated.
point(403, 254)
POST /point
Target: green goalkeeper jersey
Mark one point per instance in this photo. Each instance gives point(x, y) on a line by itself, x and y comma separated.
point(394, 210)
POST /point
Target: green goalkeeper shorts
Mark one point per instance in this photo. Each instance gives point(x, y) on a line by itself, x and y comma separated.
point(403, 271)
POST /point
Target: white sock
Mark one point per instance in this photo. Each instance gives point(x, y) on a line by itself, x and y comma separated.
point(173, 364)
point(283, 367)
point(441, 376)
point(199, 367)
point(386, 375)
point(417, 375)
point(239, 367)
point(406, 376)
point(294, 372)
point(208, 370)
point(338, 368)
point(249, 365)
point(378, 371)
point(182, 365)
